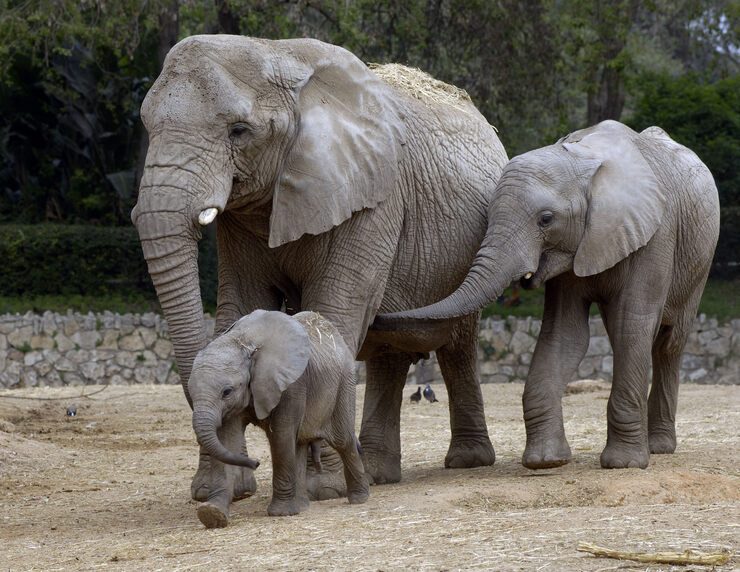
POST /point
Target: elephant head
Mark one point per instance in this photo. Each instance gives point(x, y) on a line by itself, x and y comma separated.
point(297, 127)
point(582, 204)
point(252, 362)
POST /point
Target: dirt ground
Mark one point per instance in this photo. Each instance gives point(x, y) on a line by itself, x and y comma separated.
point(109, 488)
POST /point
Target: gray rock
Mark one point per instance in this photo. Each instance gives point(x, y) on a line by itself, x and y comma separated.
point(21, 337)
point(521, 342)
point(43, 368)
point(65, 365)
point(697, 375)
point(718, 347)
point(132, 343)
point(126, 359)
point(163, 348)
point(144, 375)
point(63, 343)
point(86, 339)
point(598, 346)
point(607, 365)
point(93, 371)
point(29, 378)
point(78, 356)
point(42, 342)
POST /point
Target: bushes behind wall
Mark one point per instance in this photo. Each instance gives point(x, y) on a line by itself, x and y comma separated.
point(52, 259)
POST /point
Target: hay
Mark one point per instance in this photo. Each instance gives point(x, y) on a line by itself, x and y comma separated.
point(422, 86)
point(322, 327)
point(685, 557)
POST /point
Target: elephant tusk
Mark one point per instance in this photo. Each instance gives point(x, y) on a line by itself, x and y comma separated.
point(528, 275)
point(207, 216)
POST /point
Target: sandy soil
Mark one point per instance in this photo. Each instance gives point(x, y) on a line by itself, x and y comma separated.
point(109, 488)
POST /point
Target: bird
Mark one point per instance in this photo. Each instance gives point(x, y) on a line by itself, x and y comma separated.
point(429, 394)
point(72, 410)
point(416, 396)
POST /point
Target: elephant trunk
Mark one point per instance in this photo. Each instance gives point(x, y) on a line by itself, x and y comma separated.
point(205, 424)
point(496, 264)
point(169, 241)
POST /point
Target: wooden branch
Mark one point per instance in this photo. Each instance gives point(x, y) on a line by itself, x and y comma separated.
point(685, 557)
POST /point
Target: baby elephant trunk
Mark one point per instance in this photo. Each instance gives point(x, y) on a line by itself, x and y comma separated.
point(205, 426)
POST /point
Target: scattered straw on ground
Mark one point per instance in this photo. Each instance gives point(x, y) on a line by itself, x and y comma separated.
point(110, 488)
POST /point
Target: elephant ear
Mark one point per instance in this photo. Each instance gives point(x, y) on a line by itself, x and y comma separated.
point(280, 350)
point(626, 201)
point(345, 154)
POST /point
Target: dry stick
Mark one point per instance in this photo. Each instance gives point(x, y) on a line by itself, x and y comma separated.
point(105, 386)
point(685, 557)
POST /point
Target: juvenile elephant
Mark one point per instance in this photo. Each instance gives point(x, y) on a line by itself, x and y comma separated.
point(294, 377)
point(607, 215)
point(334, 192)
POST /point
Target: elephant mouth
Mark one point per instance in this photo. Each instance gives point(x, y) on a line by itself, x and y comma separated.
point(532, 280)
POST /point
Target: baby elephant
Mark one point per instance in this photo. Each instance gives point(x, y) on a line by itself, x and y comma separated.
point(294, 377)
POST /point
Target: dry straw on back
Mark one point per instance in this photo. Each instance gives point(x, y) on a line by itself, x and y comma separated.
point(421, 85)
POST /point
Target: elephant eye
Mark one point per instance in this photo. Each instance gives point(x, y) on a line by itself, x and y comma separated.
point(226, 392)
point(545, 219)
point(238, 129)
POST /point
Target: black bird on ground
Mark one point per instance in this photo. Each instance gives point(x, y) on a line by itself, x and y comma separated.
point(429, 394)
point(416, 397)
point(72, 410)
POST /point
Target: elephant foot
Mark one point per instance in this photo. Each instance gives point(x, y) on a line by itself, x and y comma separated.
point(469, 453)
point(360, 493)
point(326, 485)
point(546, 453)
point(283, 508)
point(623, 456)
point(381, 468)
point(302, 501)
point(212, 516)
point(245, 485)
point(662, 442)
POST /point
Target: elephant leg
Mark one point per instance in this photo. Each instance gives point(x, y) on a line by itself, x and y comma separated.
point(301, 451)
point(285, 473)
point(358, 489)
point(663, 398)
point(329, 483)
point(561, 345)
point(380, 434)
point(242, 478)
point(631, 332)
point(214, 512)
point(470, 445)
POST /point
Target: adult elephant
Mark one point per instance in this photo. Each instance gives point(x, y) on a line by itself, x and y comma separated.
point(607, 215)
point(334, 192)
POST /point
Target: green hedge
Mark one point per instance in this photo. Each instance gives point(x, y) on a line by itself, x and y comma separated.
point(88, 260)
point(727, 256)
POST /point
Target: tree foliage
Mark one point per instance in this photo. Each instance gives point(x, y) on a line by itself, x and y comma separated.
point(73, 74)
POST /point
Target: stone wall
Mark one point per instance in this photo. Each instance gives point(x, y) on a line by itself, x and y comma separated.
point(75, 349)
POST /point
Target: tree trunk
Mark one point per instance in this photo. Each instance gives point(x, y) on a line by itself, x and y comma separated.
point(606, 101)
point(228, 22)
point(169, 30)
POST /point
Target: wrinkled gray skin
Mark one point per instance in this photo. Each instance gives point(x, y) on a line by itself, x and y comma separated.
point(335, 192)
point(294, 377)
point(606, 215)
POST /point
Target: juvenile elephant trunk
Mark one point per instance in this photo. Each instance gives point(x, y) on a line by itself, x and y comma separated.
point(493, 269)
point(205, 425)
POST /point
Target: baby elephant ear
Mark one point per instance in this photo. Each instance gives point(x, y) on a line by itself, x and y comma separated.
point(280, 358)
point(626, 201)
